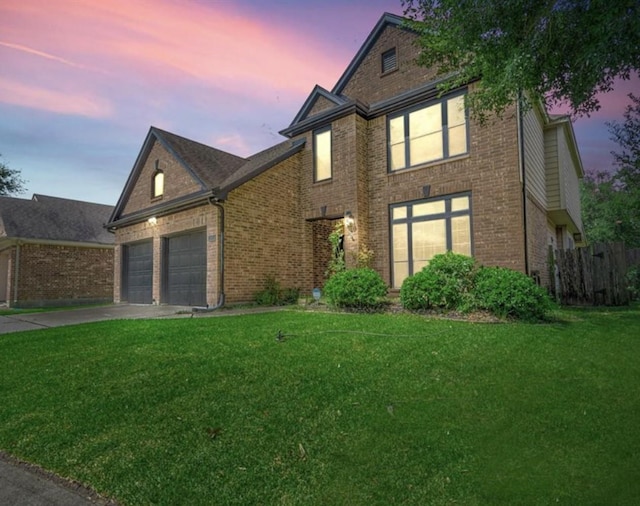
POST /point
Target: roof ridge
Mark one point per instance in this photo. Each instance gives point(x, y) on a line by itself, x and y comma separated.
point(166, 132)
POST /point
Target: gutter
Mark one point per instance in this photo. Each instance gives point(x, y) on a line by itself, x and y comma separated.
point(215, 201)
point(16, 274)
point(524, 182)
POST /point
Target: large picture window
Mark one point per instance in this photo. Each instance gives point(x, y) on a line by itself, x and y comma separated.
point(422, 229)
point(322, 155)
point(428, 133)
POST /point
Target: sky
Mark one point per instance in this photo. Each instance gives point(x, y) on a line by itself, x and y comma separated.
point(81, 81)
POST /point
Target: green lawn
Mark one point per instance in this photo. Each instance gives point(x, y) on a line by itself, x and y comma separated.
point(345, 409)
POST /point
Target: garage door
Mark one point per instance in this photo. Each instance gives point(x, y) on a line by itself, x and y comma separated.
point(138, 275)
point(186, 256)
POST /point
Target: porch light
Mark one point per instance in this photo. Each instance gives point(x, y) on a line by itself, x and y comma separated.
point(153, 220)
point(349, 223)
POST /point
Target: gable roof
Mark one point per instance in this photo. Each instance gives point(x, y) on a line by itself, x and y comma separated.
point(207, 166)
point(217, 172)
point(344, 105)
point(309, 103)
point(45, 218)
point(387, 19)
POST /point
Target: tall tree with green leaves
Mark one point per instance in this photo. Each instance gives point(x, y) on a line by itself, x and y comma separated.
point(554, 51)
point(611, 201)
point(10, 180)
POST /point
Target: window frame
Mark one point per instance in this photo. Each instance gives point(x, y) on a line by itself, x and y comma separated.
point(405, 114)
point(316, 133)
point(157, 172)
point(409, 220)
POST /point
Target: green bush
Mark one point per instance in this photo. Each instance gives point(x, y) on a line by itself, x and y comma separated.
point(445, 283)
point(508, 293)
point(274, 295)
point(361, 289)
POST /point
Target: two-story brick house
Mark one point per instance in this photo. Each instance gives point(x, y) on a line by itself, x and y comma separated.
point(407, 170)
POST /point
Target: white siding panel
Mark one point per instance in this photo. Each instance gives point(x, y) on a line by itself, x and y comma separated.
point(569, 178)
point(534, 156)
point(552, 168)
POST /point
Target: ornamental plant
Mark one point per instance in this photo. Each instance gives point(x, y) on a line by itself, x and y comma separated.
point(508, 293)
point(445, 283)
point(361, 289)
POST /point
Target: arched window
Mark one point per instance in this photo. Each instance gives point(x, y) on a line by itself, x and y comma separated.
point(157, 184)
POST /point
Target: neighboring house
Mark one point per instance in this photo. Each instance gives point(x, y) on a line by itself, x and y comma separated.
point(54, 251)
point(406, 170)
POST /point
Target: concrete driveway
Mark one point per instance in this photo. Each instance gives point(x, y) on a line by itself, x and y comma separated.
point(33, 321)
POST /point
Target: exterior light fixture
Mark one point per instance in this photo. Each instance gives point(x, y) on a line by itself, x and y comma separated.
point(349, 223)
point(153, 220)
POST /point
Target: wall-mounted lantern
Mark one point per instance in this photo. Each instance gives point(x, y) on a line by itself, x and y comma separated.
point(152, 221)
point(350, 223)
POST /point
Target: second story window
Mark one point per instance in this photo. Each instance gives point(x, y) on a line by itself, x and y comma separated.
point(157, 183)
point(427, 133)
point(322, 170)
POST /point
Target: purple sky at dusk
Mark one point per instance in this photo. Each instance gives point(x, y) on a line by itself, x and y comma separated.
point(81, 81)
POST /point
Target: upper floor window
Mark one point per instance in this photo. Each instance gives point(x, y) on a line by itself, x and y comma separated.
point(389, 60)
point(322, 155)
point(428, 133)
point(157, 183)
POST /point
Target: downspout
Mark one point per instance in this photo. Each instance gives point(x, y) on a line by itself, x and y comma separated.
point(214, 201)
point(16, 274)
point(524, 181)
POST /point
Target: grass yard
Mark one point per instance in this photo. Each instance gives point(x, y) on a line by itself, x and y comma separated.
point(344, 409)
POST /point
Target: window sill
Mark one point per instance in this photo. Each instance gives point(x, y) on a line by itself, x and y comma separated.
point(323, 182)
point(429, 165)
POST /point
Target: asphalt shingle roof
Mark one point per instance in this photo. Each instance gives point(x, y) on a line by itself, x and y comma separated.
point(54, 219)
point(209, 164)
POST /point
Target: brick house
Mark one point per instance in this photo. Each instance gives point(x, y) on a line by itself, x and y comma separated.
point(406, 170)
point(54, 251)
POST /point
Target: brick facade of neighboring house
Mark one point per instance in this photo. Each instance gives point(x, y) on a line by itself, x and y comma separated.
point(54, 251)
point(415, 174)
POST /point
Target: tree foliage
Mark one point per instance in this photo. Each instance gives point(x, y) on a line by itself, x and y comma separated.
point(10, 180)
point(611, 202)
point(554, 51)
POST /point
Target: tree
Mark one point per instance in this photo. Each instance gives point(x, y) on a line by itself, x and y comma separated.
point(554, 51)
point(627, 136)
point(611, 202)
point(10, 180)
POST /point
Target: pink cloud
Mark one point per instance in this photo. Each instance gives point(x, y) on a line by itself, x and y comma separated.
point(164, 44)
point(34, 97)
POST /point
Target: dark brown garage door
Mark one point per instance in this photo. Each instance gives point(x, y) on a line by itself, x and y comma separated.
point(137, 278)
point(186, 261)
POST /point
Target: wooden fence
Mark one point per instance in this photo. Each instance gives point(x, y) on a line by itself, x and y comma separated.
point(594, 275)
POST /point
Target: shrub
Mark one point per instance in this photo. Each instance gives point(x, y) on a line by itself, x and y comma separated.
point(445, 283)
point(274, 295)
point(633, 282)
point(508, 293)
point(361, 289)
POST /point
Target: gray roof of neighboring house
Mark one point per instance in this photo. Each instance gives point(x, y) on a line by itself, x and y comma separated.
point(54, 219)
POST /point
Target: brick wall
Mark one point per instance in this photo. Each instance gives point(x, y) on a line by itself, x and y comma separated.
point(266, 234)
point(50, 274)
point(369, 85)
point(177, 181)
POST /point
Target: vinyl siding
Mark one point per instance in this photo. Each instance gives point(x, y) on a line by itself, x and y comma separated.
point(534, 156)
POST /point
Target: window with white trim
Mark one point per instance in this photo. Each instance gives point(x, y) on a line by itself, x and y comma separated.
point(428, 133)
point(424, 228)
point(322, 155)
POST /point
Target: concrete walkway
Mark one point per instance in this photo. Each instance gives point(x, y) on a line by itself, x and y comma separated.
point(33, 321)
